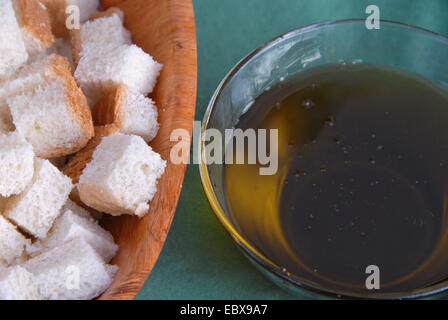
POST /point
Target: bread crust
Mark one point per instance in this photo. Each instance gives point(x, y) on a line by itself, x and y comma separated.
point(61, 68)
point(56, 12)
point(34, 18)
point(110, 109)
point(76, 44)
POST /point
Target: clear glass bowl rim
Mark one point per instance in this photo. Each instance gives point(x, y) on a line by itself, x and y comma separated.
point(255, 255)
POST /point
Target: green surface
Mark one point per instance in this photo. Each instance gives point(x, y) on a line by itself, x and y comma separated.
point(199, 260)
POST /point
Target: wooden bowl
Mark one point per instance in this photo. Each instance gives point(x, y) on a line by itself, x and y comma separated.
point(166, 30)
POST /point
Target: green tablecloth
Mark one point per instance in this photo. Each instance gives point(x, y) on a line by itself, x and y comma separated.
point(199, 260)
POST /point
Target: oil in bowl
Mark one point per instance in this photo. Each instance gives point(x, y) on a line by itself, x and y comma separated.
point(362, 178)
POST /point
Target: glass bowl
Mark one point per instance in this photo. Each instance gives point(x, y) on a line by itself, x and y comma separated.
point(395, 44)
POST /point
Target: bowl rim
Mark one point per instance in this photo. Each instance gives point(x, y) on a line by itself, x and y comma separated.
point(253, 253)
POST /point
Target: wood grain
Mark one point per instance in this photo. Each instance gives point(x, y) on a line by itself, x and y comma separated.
point(166, 30)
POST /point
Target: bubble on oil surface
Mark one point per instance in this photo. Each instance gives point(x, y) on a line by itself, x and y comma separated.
point(307, 104)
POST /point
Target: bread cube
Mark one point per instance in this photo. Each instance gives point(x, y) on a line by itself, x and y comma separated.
point(130, 111)
point(35, 209)
point(12, 47)
point(122, 176)
point(54, 117)
point(58, 15)
point(98, 31)
point(12, 242)
point(103, 67)
point(16, 163)
point(25, 79)
point(70, 226)
point(71, 271)
point(16, 283)
point(34, 23)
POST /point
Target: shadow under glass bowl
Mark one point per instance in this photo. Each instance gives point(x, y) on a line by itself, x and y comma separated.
point(395, 44)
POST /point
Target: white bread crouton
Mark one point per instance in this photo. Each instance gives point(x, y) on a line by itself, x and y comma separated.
point(35, 210)
point(131, 112)
point(57, 10)
point(12, 242)
point(71, 271)
point(12, 47)
point(16, 283)
point(34, 23)
point(70, 226)
point(16, 164)
point(122, 176)
point(26, 79)
point(103, 67)
point(76, 165)
point(98, 31)
point(54, 117)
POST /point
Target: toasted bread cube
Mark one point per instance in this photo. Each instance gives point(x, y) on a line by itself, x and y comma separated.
point(34, 23)
point(54, 117)
point(71, 271)
point(12, 242)
point(71, 225)
point(35, 210)
point(97, 31)
point(57, 10)
point(103, 67)
point(16, 283)
point(12, 47)
point(16, 164)
point(122, 176)
point(132, 112)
